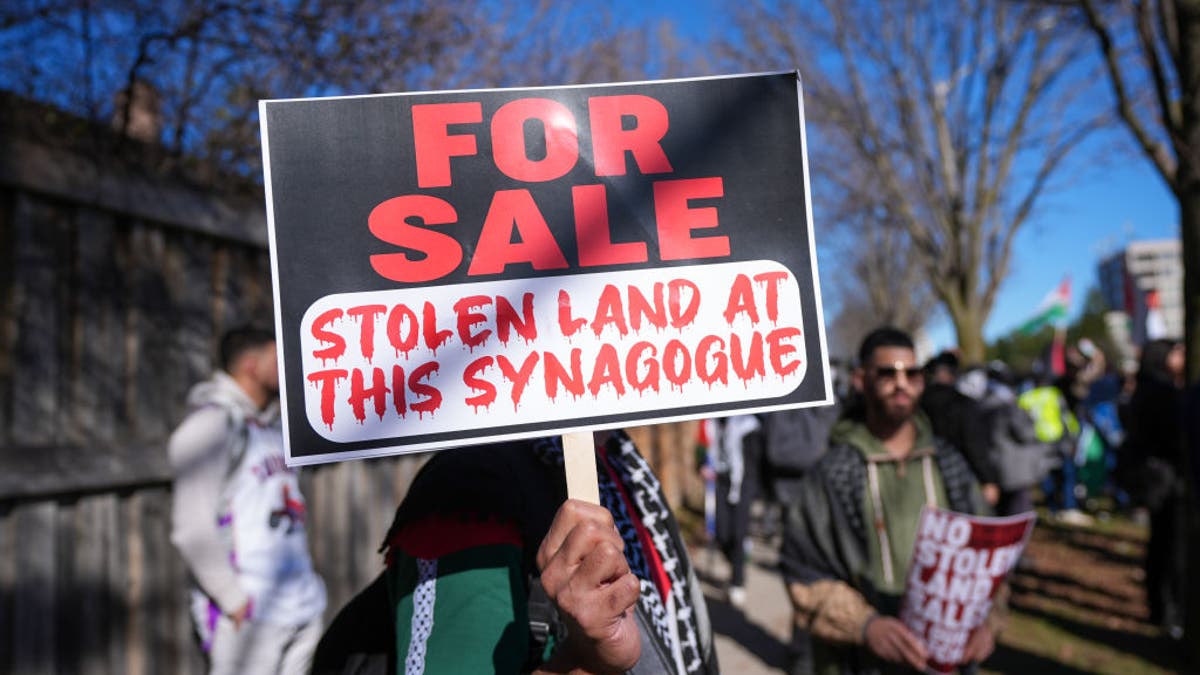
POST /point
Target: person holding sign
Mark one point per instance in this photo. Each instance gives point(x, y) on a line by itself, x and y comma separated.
point(490, 568)
point(507, 264)
point(848, 539)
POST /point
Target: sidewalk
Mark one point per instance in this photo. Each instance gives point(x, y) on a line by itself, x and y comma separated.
point(755, 641)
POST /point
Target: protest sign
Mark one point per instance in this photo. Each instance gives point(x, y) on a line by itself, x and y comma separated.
point(958, 563)
point(459, 267)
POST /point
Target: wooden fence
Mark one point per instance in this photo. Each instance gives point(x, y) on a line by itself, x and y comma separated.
point(115, 282)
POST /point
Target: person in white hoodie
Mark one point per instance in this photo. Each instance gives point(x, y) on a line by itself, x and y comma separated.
point(238, 518)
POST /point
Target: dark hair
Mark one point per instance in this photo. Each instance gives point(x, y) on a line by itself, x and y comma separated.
point(886, 336)
point(947, 359)
point(1154, 359)
point(1000, 372)
point(239, 340)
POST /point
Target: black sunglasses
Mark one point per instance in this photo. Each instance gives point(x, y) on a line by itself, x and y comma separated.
point(891, 372)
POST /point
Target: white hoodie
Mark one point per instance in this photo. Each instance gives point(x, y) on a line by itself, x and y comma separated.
point(237, 515)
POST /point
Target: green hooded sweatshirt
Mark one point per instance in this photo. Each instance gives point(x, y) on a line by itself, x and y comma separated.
point(904, 487)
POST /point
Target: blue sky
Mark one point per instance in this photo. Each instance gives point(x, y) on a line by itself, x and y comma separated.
point(1108, 198)
point(1105, 199)
point(1095, 216)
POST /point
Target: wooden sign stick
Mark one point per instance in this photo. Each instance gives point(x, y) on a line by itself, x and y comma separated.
point(579, 458)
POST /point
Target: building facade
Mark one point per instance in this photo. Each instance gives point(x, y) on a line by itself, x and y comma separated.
point(1145, 282)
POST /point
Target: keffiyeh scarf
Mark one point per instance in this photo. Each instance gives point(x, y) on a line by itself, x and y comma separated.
point(632, 494)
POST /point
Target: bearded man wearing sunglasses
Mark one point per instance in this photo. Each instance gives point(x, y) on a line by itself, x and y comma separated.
point(849, 537)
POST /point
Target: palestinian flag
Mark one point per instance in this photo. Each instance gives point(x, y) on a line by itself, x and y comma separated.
point(460, 598)
point(1052, 311)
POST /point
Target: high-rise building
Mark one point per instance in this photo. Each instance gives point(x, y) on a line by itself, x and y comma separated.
point(1145, 281)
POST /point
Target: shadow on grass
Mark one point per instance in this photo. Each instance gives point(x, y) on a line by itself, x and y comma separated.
point(1026, 577)
point(1088, 541)
point(1157, 650)
point(1008, 659)
point(1021, 586)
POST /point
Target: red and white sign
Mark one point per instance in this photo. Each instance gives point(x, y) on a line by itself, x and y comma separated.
point(508, 352)
point(958, 563)
point(471, 266)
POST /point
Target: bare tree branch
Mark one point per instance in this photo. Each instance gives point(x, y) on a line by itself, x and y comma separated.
point(937, 111)
point(1155, 151)
point(1168, 109)
point(210, 60)
point(1169, 26)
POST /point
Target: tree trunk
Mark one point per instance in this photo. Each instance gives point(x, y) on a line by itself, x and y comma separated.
point(1188, 195)
point(1189, 225)
point(1187, 191)
point(1187, 177)
point(968, 327)
point(1189, 230)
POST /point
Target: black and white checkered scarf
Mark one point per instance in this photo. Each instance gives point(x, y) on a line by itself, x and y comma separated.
point(674, 620)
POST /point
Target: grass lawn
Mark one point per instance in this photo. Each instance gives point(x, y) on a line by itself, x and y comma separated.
point(1079, 606)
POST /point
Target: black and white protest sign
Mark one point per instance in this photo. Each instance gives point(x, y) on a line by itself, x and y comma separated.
point(454, 267)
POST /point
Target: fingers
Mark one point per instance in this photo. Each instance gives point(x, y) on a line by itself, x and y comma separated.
point(906, 645)
point(586, 575)
point(980, 646)
point(623, 594)
point(601, 563)
point(582, 547)
point(911, 648)
point(602, 587)
point(599, 611)
point(570, 515)
point(239, 615)
point(991, 493)
point(892, 641)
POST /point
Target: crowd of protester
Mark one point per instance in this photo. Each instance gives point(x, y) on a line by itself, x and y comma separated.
point(488, 566)
point(1085, 442)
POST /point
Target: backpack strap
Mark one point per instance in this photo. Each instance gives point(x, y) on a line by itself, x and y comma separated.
point(546, 628)
point(237, 429)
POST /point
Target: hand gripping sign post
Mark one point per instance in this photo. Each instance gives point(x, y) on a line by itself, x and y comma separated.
point(958, 563)
point(460, 267)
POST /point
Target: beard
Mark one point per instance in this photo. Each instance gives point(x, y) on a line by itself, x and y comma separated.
point(895, 409)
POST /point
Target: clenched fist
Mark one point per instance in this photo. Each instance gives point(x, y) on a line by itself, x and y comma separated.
point(585, 574)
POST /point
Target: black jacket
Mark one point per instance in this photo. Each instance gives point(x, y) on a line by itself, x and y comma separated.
point(959, 419)
point(504, 480)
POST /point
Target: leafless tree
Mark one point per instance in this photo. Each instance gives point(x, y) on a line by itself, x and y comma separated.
point(959, 114)
point(875, 281)
point(1151, 52)
point(884, 288)
point(208, 62)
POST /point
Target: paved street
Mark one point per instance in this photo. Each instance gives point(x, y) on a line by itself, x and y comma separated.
point(754, 641)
